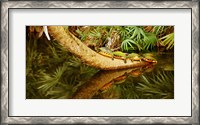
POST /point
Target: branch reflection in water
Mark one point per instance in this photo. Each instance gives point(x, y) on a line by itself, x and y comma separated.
point(103, 79)
point(147, 82)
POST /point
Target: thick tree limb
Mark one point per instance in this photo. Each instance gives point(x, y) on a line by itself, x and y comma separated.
point(87, 55)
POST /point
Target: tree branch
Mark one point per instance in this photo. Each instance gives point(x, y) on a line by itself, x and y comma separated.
point(87, 55)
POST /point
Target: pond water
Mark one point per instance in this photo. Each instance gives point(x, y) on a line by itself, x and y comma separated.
point(149, 82)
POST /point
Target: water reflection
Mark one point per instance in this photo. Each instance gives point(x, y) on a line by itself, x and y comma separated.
point(148, 82)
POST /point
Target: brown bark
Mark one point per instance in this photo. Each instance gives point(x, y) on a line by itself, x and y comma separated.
point(87, 55)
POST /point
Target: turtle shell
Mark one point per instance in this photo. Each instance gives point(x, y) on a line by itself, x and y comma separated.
point(137, 58)
point(134, 57)
point(149, 58)
point(148, 54)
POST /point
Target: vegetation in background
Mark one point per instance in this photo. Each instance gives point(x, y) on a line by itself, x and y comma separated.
point(53, 72)
point(127, 38)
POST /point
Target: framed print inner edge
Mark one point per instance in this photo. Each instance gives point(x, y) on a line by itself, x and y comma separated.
point(6, 119)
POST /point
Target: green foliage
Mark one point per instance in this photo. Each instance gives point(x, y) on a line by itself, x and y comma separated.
point(137, 39)
point(81, 34)
point(133, 38)
point(156, 85)
point(95, 33)
point(128, 44)
point(159, 29)
point(161, 85)
point(168, 41)
point(47, 81)
point(150, 41)
point(123, 32)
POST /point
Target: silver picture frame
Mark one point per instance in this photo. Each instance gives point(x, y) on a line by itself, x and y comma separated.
point(6, 119)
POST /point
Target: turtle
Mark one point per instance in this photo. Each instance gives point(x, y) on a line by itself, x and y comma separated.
point(149, 57)
point(134, 57)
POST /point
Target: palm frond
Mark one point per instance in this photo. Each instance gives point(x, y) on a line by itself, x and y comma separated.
point(95, 33)
point(63, 91)
point(47, 81)
point(158, 29)
point(168, 41)
point(161, 84)
point(81, 35)
point(150, 41)
point(128, 43)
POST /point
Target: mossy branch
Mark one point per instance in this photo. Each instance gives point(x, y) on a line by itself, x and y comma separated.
point(87, 55)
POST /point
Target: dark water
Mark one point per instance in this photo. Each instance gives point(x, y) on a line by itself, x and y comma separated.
point(153, 82)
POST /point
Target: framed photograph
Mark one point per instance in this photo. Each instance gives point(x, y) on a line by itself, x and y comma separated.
point(100, 62)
